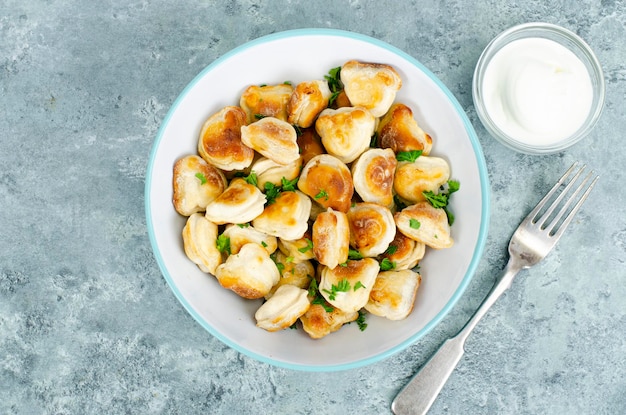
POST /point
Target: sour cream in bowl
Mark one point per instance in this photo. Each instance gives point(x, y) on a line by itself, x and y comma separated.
point(538, 88)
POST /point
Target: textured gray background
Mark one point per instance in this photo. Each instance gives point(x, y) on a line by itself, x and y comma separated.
point(89, 326)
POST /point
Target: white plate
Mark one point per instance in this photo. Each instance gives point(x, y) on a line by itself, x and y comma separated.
point(297, 56)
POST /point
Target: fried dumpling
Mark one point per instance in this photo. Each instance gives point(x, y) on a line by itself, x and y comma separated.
point(298, 249)
point(196, 183)
point(328, 181)
point(348, 287)
point(291, 272)
point(424, 174)
point(287, 217)
point(310, 145)
point(220, 140)
point(283, 309)
point(370, 85)
point(266, 101)
point(199, 242)
point(404, 252)
point(317, 322)
point(424, 223)
point(267, 170)
point(399, 131)
point(373, 173)
point(393, 295)
point(239, 203)
point(372, 228)
point(308, 99)
point(242, 234)
point(273, 138)
point(251, 273)
point(346, 132)
point(331, 238)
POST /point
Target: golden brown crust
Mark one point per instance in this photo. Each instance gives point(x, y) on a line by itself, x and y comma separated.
point(346, 132)
point(291, 272)
point(307, 101)
point(199, 242)
point(399, 131)
point(328, 181)
point(373, 173)
point(360, 276)
point(220, 140)
point(239, 203)
point(196, 183)
point(370, 85)
point(266, 101)
point(424, 223)
point(331, 238)
point(310, 145)
point(372, 228)
point(317, 322)
point(424, 174)
point(273, 138)
point(393, 295)
point(283, 309)
point(406, 252)
point(287, 217)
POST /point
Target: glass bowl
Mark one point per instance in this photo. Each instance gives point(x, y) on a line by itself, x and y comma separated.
point(563, 37)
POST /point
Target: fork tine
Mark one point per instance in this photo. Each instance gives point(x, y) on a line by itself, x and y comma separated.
point(547, 214)
point(577, 206)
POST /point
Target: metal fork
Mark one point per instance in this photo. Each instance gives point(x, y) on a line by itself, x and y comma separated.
point(532, 241)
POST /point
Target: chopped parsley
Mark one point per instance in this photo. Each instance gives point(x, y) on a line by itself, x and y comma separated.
point(259, 116)
point(223, 244)
point(318, 299)
point(289, 185)
point(334, 83)
point(279, 265)
point(322, 194)
point(440, 200)
point(410, 156)
point(414, 223)
point(263, 244)
point(271, 192)
point(361, 320)
point(341, 287)
point(358, 285)
point(391, 249)
point(243, 225)
point(387, 265)
point(354, 254)
point(399, 203)
point(251, 179)
point(308, 247)
point(201, 177)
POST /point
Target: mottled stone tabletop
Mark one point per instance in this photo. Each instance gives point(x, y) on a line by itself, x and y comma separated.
point(88, 325)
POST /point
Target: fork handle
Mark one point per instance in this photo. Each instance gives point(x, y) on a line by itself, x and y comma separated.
point(420, 393)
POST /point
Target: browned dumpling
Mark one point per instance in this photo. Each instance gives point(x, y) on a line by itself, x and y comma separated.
point(331, 238)
point(372, 228)
point(373, 173)
point(370, 85)
point(199, 242)
point(292, 272)
point(348, 287)
point(393, 295)
point(404, 252)
point(283, 309)
point(273, 138)
point(287, 217)
point(299, 249)
point(242, 234)
point(267, 170)
point(424, 174)
point(328, 181)
point(346, 132)
point(308, 99)
point(399, 131)
point(310, 145)
point(266, 101)
point(251, 273)
point(239, 203)
point(317, 322)
point(424, 223)
point(196, 183)
point(220, 140)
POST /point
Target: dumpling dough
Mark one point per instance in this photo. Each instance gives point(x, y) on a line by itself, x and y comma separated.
point(287, 217)
point(291, 272)
point(331, 238)
point(328, 181)
point(269, 171)
point(404, 252)
point(346, 132)
point(242, 234)
point(196, 183)
point(399, 131)
point(373, 174)
point(298, 249)
point(393, 295)
point(240, 203)
point(266, 101)
point(372, 228)
point(424, 174)
point(317, 322)
point(273, 138)
point(310, 145)
point(307, 101)
point(199, 242)
point(251, 273)
point(283, 309)
point(371, 85)
point(220, 140)
point(357, 277)
point(424, 223)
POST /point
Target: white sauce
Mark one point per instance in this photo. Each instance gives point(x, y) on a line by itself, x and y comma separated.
point(537, 91)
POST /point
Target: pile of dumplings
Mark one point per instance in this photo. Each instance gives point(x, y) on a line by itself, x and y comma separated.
point(342, 203)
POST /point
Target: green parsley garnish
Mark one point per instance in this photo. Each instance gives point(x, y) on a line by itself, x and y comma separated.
point(263, 244)
point(391, 249)
point(201, 177)
point(318, 299)
point(289, 185)
point(243, 225)
point(322, 193)
point(287, 82)
point(334, 83)
point(361, 320)
point(341, 287)
point(251, 179)
point(440, 200)
point(410, 156)
point(399, 203)
point(358, 285)
point(308, 247)
point(387, 265)
point(271, 192)
point(259, 116)
point(354, 254)
point(414, 223)
point(374, 140)
point(223, 244)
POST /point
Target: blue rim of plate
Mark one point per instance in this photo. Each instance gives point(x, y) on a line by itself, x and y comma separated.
point(484, 182)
